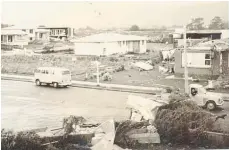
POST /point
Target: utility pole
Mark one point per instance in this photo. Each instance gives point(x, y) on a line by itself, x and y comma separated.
point(97, 73)
point(185, 62)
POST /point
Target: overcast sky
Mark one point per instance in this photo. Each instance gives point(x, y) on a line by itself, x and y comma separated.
point(110, 14)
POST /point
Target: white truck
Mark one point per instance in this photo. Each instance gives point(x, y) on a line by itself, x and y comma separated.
point(203, 98)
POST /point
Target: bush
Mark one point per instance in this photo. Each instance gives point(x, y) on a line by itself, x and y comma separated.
point(20, 141)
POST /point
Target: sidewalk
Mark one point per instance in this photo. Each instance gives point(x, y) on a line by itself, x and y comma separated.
point(93, 85)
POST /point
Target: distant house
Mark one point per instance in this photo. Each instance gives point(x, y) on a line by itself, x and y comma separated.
point(14, 37)
point(32, 32)
point(109, 43)
point(60, 32)
point(205, 59)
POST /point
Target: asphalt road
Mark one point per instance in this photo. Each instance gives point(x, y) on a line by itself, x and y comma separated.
point(26, 106)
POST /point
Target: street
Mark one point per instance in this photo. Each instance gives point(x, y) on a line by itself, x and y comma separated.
point(26, 106)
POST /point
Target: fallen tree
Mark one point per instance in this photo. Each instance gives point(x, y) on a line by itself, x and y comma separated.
point(183, 122)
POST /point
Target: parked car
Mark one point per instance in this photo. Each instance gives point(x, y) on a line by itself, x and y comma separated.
point(52, 76)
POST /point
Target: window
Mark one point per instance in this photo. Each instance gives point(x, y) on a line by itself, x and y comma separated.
point(197, 60)
point(142, 42)
point(24, 30)
point(40, 35)
point(1, 38)
point(31, 39)
point(207, 59)
point(123, 42)
point(43, 71)
point(31, 31)
point(37, 71)
point(120, 44)
point(65, 72)
point(10, 38)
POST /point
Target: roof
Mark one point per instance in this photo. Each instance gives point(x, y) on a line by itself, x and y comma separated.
point(109, 37)
point(221, 45)
point(55, 27)
point(20, 27)
point(12, 32)
point(42, 30)
point(181, 31)
point(205, 31)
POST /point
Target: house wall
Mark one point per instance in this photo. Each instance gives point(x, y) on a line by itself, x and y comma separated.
point(195, 71)
point(225, 34)
point(45, 36)
point(16, 40)
point(225, 63)
point(107, 48)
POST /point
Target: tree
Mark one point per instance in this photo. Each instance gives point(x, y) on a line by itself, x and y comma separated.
point(225, 25)
point(4, 25)
point(196, 24)
point(216, 23)
point(134, 28)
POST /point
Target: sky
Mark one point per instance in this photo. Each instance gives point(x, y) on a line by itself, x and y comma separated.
point(110, 14)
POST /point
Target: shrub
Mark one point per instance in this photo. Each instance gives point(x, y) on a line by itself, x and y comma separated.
point(20, 141)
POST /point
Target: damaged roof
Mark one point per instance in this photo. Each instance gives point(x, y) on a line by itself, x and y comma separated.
point(221, 45)
point(109, 37)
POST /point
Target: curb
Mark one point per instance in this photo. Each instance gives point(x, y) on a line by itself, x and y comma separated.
point(109, 87)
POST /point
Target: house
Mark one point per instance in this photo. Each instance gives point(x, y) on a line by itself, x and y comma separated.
point(32, 32)
point(208, 59)
point(109, 43)
point(14, 37)
point(194, 36)
point(60, 32)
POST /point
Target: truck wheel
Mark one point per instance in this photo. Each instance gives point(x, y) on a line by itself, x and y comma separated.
point(38, 83)
point(211, 105)
point(55, 85)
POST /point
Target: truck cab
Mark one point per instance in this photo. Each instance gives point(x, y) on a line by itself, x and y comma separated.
point(203, 98)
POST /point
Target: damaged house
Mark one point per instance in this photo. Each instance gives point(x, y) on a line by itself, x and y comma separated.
point(207, 59)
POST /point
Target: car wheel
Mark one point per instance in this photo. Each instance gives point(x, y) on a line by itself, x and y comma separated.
point(211, 105)
point(55, 85)
point(38, 83)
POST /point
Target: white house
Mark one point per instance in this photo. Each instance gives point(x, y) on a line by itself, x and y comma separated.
point(33, 32)
point(14, 37)
point(109, 43)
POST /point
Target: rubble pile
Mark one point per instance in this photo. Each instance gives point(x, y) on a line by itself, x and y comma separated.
point(183, 122)
point(128, 134)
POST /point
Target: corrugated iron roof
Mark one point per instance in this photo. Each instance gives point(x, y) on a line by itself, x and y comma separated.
point(109, 37)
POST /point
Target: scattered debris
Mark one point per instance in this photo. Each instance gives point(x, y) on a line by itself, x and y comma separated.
point(143, 66)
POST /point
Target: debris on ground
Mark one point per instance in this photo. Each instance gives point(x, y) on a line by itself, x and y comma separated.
point(163, 70)
point(146, 107)
point(143, 66)
point(131, 134)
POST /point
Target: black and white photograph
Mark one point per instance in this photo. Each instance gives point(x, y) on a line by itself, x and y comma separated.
point(114, 75)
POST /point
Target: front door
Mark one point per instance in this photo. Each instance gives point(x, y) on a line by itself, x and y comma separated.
point(136, 46)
